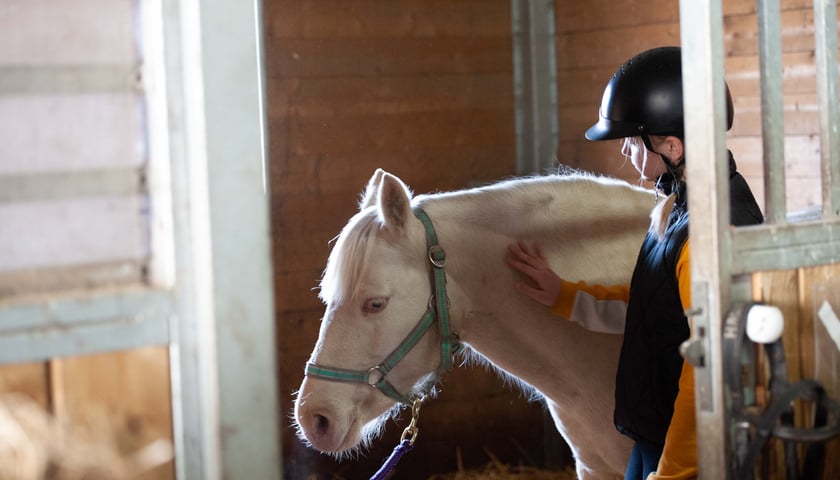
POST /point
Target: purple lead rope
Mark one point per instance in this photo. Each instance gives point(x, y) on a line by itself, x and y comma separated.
point(404, 447)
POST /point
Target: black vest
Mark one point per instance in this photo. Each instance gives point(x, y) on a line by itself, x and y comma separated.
point(647, 381)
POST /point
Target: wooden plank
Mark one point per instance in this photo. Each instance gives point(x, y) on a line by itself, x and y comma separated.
point(801, 155)
point(101, 130)
point(795, 292)
point(798, 74)
point(59, 34)
point(377, 19)
point(442, 168)
point(296, 338)
point(589, 48)
point(779, 289)
point(797, 29)
point(590, 16)
point(801, 112)
point(747, 7)
point(73, 232)
point(343, 95)
point(123, 396)
point(576, 16)
point(586, 48)
point(294, 58)
point(296, 291)
point(30, 379)
point(583, 86)
point(306, 135)
point(817, 285)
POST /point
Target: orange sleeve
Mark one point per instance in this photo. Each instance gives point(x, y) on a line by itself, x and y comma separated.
point(565, 301)
point(679, 456)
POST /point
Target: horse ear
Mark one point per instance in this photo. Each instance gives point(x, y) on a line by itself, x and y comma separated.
point(394, 202)
point(369, 195)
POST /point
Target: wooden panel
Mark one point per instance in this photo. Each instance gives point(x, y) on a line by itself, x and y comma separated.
point(348, 172)
point(328, 57)
point(124, 395)
point(793, 292)
point(58, 35)
point(377, 19)
point(607, 15)
point(30, 379)
point(113, 404)
point(75, 232)
point(797, 29)
point(589, 48)
point(817, 285)
point(798, 74)
point(801, 115)
point(575, 17)
point(456, 129)
point(424, 90)
point(586, 62)
point(801, 155)
point(355, 95)
point(97, 130)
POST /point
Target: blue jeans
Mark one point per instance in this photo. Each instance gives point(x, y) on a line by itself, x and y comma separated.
point(643, 460)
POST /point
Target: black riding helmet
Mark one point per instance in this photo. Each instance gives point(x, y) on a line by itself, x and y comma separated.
point(644, 97)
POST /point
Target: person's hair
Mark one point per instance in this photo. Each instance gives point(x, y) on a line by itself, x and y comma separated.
point(660, 216)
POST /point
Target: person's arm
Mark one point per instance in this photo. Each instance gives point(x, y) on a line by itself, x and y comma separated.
point(595, 307)
point(679, 456)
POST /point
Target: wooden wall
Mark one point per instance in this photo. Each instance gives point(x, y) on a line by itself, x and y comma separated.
point(594, 39)
point(423, 89)
point(115, 401)
point(809, 351)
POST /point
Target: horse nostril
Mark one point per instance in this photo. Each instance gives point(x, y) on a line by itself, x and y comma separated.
point(321, 424)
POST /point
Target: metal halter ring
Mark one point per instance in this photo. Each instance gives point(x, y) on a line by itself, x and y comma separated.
point(433, 303)
point(432, 251)
point(371, 371)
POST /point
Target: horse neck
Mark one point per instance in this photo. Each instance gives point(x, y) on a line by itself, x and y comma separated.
point(512, 331)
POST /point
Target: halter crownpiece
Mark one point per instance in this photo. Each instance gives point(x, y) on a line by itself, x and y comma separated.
point(376, 376)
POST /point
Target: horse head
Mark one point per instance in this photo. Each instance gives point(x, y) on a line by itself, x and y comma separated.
point(376, 288)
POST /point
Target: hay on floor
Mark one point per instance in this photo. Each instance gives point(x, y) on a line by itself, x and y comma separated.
point(497, 470)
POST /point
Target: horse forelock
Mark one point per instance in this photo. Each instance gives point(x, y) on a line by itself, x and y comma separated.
point(347, 260)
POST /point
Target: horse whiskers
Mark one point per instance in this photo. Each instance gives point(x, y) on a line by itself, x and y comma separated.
point(370, 432)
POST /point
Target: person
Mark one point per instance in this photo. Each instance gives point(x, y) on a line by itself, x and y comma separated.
point(654, 388)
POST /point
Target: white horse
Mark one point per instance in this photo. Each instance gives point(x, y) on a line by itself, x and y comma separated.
point(377, 284)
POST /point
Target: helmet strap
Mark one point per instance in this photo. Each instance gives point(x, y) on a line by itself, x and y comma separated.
point(674, 169)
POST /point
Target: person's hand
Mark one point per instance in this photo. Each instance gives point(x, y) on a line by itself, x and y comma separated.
point(531, 262)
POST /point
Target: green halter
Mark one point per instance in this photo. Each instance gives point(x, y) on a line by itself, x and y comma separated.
point(376, 376)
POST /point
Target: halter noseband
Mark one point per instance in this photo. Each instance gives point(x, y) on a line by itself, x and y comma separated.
point(376, 376)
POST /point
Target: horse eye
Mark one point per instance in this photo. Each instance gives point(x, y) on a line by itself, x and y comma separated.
point(375, 305)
